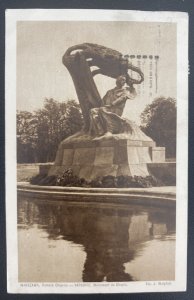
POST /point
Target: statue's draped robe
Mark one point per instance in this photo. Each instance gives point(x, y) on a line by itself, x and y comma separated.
point(108, 118)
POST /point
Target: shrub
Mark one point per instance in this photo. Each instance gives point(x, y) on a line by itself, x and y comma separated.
point(43, 179)
point(124, 181)
point(97, 182)
point(37, 179)
point(69, 179)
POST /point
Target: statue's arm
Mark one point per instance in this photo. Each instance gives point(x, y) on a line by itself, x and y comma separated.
point(125, 96)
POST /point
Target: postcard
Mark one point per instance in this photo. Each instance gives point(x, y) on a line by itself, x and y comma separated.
point(96, 151)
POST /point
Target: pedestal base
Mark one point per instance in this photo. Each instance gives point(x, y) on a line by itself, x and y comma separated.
point(91, 159)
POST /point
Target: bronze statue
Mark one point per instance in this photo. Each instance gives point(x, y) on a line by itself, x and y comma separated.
point(106, 120)
point(108, 144)
point(101, 116)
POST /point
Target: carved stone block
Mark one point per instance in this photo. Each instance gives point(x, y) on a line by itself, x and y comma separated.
point(84, 156)
point(104, 155)
point(102, 158)
point(104, 170)
point(68, 155)
point(158, 154)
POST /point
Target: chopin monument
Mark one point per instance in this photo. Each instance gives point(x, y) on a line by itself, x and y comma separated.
point(108, 144)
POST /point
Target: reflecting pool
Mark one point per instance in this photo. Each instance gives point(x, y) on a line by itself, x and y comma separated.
point(68, 242)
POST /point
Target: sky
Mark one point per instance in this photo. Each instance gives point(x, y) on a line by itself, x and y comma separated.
point(41, 45)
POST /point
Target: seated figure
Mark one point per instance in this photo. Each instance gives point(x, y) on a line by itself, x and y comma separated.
point(106, 120)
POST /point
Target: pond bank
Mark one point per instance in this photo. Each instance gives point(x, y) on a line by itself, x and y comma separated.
point(155, 196)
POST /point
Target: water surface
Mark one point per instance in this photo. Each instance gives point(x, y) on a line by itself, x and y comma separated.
point(65, 242)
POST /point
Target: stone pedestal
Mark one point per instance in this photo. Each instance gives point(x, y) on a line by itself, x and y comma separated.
point(91, 159)
point(158, 154)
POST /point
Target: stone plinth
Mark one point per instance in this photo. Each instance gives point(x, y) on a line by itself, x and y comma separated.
point(94, 158)
point(158, 154)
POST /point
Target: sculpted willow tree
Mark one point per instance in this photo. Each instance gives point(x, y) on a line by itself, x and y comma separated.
point(79, 59)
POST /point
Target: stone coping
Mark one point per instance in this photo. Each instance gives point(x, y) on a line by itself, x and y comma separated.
point(156, 196)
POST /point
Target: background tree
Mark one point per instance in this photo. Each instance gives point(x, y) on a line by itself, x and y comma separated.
point(55, 122)
point(26, 137)
point(42, 131)
point(159, 122)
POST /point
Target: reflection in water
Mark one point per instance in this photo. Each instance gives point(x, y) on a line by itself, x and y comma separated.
point(67, 242)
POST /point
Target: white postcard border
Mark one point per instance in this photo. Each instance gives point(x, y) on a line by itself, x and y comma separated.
point(181, 19)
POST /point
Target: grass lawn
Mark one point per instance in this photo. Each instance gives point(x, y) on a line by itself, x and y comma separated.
point(26, 171)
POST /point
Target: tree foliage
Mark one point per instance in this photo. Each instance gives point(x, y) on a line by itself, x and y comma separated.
point(159, 122)
point(39, 133)
point(26, 137)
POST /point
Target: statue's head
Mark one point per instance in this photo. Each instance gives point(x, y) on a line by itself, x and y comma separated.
point(121, 81)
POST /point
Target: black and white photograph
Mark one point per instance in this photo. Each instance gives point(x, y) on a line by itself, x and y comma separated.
point(96, 142)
